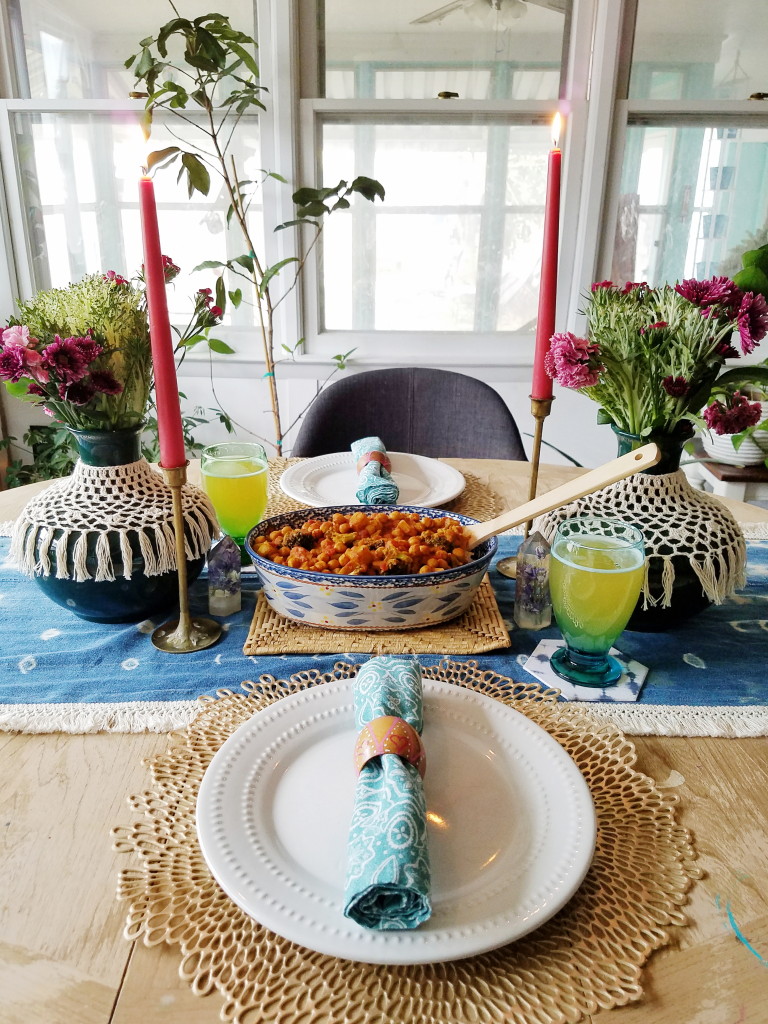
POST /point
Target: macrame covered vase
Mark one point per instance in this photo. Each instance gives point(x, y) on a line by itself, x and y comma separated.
point(695, 550)
point(101, 543)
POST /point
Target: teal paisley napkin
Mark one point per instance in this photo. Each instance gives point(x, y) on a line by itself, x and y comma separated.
point(375, 486)
point(388, 880)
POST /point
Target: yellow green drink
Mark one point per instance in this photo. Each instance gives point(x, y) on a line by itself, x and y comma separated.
point(235, 479)
point(596, 574)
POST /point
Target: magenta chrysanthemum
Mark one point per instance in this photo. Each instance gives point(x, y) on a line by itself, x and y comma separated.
point(676, 387)
point(12, 364)
point(573, 362)
point(64, 360)
point(739, 414)
point(78, 393)
point(752, 321)
point(105, 382)
point(717, 291)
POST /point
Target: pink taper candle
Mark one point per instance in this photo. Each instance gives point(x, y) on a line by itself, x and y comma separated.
point(545, 324)
point(170, 434)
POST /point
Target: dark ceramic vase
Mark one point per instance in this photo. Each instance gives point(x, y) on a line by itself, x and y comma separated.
point(122, 599)
point(688, 598)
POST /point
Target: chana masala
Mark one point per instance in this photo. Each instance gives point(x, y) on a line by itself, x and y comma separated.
point(369, 544)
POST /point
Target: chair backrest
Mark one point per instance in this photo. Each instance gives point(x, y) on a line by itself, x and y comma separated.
point(412, 409)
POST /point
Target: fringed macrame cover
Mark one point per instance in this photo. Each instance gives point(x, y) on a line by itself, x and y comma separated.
point(676, 520)
point(51, 536)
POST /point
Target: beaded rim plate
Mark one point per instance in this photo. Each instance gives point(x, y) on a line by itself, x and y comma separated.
point(511, 824)
point(332, 480)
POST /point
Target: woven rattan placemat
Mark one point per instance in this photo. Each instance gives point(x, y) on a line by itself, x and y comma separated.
point(480, 628)
point(588, 957)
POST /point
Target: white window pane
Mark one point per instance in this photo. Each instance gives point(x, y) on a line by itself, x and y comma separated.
point(692, 200)
point(456, 246)
point(414, 49)
point(80, 178)
point(710, 49)
point(77, 50)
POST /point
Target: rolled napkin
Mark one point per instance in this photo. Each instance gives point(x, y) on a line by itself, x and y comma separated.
point(388, 880)
point(375, 486)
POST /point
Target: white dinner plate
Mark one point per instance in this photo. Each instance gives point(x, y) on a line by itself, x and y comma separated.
point(510, 822)
point(332, 480)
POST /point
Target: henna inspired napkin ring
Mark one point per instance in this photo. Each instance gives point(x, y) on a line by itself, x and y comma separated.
point(381, 457)
point(390, 735)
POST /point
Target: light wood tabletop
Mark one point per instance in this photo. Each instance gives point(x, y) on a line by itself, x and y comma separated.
point(64, 960)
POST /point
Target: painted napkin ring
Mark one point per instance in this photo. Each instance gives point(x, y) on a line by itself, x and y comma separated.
point(390, 735)
point(380, 457)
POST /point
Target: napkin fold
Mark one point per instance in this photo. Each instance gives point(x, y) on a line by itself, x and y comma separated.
point(375, 486)
point(388, 878)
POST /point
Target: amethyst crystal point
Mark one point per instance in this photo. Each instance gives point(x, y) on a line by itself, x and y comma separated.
point(533, 608)
point(224, 578)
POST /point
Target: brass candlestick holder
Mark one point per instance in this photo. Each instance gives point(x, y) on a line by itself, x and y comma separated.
point(186, 633)
point(540, 409)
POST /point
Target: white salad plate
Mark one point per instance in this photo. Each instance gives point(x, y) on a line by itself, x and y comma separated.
point(511, 824)
point(332, 480)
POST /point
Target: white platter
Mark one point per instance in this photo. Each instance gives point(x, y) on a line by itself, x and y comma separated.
point(332, 480)
point(511, 824)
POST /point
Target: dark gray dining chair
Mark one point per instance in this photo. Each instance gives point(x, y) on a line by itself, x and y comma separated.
point(412, 409)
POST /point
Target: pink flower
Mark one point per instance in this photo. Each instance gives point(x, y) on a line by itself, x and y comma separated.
point(170, 270)
point(658, 326)
point(752, 321)
point(718, 291)
point(216, 311)
point(12, 364)
point(573, 362)
point(78, 393)
point(64, 360)
point(739, 414)
point(204, 296)
point(676, 387)
point(105, 383)
point(33, 362)
point(17, 336)
point(632, 286)
point(89, 349)
point(602, 284)
point(115, 278)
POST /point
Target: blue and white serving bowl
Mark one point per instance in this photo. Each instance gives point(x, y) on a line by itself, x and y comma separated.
point(367, 603)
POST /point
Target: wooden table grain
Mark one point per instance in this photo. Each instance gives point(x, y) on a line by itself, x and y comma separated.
point(64, 960)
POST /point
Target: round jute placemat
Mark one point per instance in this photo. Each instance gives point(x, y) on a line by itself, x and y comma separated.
point(586, 958)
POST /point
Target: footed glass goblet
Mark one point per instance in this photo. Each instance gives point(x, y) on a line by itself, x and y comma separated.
point(595, 577)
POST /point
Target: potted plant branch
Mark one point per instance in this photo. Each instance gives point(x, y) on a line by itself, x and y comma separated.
point(210, 86)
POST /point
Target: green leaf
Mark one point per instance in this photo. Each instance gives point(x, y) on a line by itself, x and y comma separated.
point(744, 375)
point(176, 25)
point(270, 272)
point(293, 223)
point(191, 342)
point(603, 416)
point(756, 258)
point(245, 57)
point(244, 261)
point(146, 63)
point(368, 188)
point(276, 176)
point(221, 293)
point(752, 279)
point(162, 156)
point(236, 297)
point(198, 178)
point(208, 265)
point(18, 389)
point(216, 345)
point(145, 123)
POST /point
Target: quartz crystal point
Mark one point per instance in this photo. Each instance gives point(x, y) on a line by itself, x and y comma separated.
point(224, 578)
point(533, 608)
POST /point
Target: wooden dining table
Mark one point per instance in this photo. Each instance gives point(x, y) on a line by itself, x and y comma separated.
point(63, 957)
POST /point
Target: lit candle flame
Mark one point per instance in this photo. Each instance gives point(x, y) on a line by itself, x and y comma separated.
point(556, 123)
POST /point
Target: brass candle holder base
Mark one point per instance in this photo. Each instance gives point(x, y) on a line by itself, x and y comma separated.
point(185, 634)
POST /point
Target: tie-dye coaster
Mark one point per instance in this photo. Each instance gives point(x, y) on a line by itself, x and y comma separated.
point(627, 689)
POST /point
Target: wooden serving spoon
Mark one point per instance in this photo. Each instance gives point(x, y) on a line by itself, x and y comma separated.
point(618, 469)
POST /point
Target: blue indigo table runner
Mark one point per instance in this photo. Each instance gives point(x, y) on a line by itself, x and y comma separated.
point(61, 673)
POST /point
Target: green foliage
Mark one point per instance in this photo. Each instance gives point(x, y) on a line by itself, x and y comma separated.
point(754, 276)
point(205, 66)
